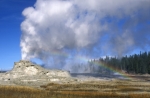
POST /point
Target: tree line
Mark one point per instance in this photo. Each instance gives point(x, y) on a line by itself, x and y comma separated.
point(135, 64)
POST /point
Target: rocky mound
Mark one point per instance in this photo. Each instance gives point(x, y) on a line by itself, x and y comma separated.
point(26, 73)
point(26, 68)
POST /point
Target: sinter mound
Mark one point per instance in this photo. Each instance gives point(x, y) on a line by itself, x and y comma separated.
point(27, 73)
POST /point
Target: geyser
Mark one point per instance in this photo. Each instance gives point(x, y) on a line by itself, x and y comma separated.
point(64, 33)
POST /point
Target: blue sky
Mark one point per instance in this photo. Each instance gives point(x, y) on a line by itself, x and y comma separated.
point(10, 33)
point(122, 27)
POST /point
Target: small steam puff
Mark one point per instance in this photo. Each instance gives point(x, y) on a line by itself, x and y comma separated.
point(58, 31)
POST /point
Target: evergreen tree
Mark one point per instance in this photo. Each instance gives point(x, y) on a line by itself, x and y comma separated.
point(137, 63)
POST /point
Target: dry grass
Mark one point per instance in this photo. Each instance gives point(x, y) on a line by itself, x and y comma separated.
point(25, 92)
point(104, 89)
point(101, 89)
point(21, 92)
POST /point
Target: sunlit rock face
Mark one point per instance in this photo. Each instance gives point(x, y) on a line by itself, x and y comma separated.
point(25, 72)
point(25, 68)
point(30, 69)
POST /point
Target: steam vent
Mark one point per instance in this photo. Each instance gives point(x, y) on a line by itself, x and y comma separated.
point(27, 73)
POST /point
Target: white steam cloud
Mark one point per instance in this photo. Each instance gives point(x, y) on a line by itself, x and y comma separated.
point(59, 32)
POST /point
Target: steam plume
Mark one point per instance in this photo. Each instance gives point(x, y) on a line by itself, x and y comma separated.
point(60, 31)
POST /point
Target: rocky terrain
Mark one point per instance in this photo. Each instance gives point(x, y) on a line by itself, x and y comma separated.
point(29, 74)
point(25, 73)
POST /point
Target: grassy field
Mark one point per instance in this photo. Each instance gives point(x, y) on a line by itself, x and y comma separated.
point(92, 89)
